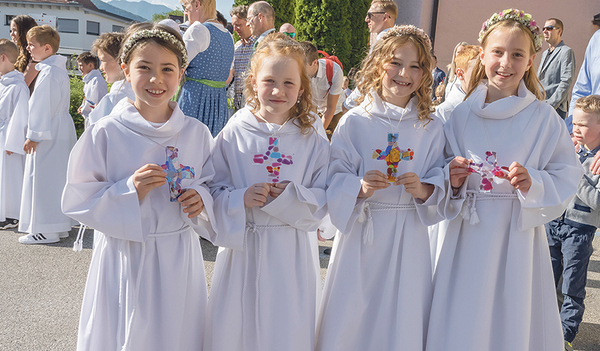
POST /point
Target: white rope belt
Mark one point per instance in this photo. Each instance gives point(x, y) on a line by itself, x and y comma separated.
point(469, 210)
point(254, 228)
point(372, 206)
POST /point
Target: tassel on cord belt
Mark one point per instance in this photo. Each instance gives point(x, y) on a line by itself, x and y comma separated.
point(469, 210)
point(365, 216)
point(254, 229)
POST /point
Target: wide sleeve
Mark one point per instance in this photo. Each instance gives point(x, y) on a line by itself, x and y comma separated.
point(40, 108)
point(567, 70)
point(17, 127)
point(102, 109)
point(229, 208)
point(111, 207)
point(196, 39)
point(343, 180)
point(303, 207)
point(555, 172)
point(588, 190)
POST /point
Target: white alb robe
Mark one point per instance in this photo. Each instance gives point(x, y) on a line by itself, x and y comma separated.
point(119, 90)
point(377, 294)
point(14, 111)
point(146, 285)
point(266, 282)
point(455, 97)
point(494, 287)
point(46, 169)
point(94, 90)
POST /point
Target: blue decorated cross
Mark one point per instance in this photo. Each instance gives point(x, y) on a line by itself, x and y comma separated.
point(176, 172)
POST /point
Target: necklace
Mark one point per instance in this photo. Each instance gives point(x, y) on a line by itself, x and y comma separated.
point(271, 124)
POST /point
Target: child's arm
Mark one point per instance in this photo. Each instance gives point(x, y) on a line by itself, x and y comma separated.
point(191, 202)
point(41, 107)
point(372, 180)
point(589, 190)
point(30, 146)
point(148, 177)
point(413, 185)
point(519, 177)
point(17, 127)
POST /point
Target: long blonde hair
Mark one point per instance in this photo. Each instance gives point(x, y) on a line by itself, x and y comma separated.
point(371, 74)
point(530, 77)
point(278, 44)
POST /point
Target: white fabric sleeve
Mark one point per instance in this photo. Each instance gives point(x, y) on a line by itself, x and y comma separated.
point(196, 39)
point(17, 127)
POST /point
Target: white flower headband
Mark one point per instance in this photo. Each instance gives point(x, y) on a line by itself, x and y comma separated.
point(155, 33)
point(515, 15)
point(397, 31)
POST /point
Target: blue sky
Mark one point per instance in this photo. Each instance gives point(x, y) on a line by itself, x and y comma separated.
point(222, 5)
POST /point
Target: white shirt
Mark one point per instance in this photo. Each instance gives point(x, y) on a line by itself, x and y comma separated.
point(320, 86)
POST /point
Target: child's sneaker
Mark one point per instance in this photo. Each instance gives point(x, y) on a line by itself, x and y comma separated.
point(568, 346)
point(39, 238)
point(9, 223)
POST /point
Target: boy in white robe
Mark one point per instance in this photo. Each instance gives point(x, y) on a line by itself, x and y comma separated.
point(14, 110)
point(94, 87)
point(50, 137)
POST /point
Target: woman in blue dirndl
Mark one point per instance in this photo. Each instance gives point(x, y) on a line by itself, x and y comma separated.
point(210, 51)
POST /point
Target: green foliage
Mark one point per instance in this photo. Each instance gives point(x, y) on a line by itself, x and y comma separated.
point(76, 99)
point(359, 33)
point(161, 16)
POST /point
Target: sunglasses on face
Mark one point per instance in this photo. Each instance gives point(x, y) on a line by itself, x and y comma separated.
point(291, 35)
point(549, 28)
point(370, 14)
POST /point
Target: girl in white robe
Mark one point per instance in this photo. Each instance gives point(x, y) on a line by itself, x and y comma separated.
point(379, 283)
point(494, 287)
point(269, 190)
point(146, 287)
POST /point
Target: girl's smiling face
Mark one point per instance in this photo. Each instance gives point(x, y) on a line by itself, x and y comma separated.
point(506, 58)
point(402, 76)
point(278, 86)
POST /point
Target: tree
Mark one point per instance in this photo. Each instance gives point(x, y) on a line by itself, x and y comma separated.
point(161, 16)
point(359, 34)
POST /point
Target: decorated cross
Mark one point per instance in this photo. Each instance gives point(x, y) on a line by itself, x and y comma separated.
point(392, 155)
point(176, 172)
point(273, 159)
point(488, 170)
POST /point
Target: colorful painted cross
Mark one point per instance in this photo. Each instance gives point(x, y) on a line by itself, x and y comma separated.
point(392, 155)
point(488, 170)
point(176, 172)
point(273, 159)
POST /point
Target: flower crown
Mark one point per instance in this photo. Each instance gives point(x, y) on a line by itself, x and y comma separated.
point(397, 31)
point(515, 15)
point(155, 33)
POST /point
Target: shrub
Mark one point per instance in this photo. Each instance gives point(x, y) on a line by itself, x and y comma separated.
point(76, 99)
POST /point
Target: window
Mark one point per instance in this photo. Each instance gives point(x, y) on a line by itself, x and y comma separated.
point(65, 25)
point(8, 18)
point(118, 28)
point(93, 28)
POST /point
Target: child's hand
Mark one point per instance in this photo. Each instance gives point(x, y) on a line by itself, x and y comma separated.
point(459, 171)
point(79, 110)
point(372, 180)
point(257, 194)
point(9, 152)
point(595, 166)
point(278, 188)
point(30, 146)
point(148, 177)
point(412, 185)
point(519, 177)
point(192, 202)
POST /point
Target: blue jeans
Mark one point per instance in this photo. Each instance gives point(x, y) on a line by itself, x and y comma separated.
point(570, 250)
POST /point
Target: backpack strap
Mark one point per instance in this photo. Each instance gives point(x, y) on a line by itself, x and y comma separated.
point(329, 73)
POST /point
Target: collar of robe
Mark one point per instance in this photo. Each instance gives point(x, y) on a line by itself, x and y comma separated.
point(128, 115)
point(503, 108)
point(251, 123)
point(375, 106)
point(57, 61)
point(93, 73)
point(12, 77)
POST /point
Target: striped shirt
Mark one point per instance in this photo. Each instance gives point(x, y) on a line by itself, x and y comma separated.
point(241, 58)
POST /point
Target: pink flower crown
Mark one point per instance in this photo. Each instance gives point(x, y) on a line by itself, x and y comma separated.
point(515, 15)
point(397, 31)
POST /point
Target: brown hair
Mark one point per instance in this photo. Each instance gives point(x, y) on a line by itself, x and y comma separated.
point(370, 76)
point(388, 6)
point(240, 11)
point(87, 58)
point(311, 53)
point(165, 44)
point(23, 23)
point(278, 44)
point(9, 49)
point(45, 35)
point(109, 43)
point(463, 58)
point(589, 104)
point(530, 77)
point(208, 6)
point(558, 23)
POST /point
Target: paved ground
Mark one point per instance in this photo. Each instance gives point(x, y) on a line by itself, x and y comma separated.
point(41, 288)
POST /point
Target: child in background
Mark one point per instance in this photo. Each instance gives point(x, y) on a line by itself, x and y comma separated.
point(95, 85)
point(464, 61)
point(107, 47)
point(146, 287)
point(385, 181)
point(271, 169)
point(50, 137)
point(570, 235)
point(439, 94)
point(14, 110)
point(513, 168)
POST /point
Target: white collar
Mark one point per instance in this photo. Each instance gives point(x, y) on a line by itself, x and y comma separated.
point(502, 108)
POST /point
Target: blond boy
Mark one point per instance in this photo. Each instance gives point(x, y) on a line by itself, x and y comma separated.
point(14, 110)
point(50, 137)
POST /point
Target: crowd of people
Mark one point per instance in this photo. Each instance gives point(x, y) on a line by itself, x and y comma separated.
point(457, 200)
